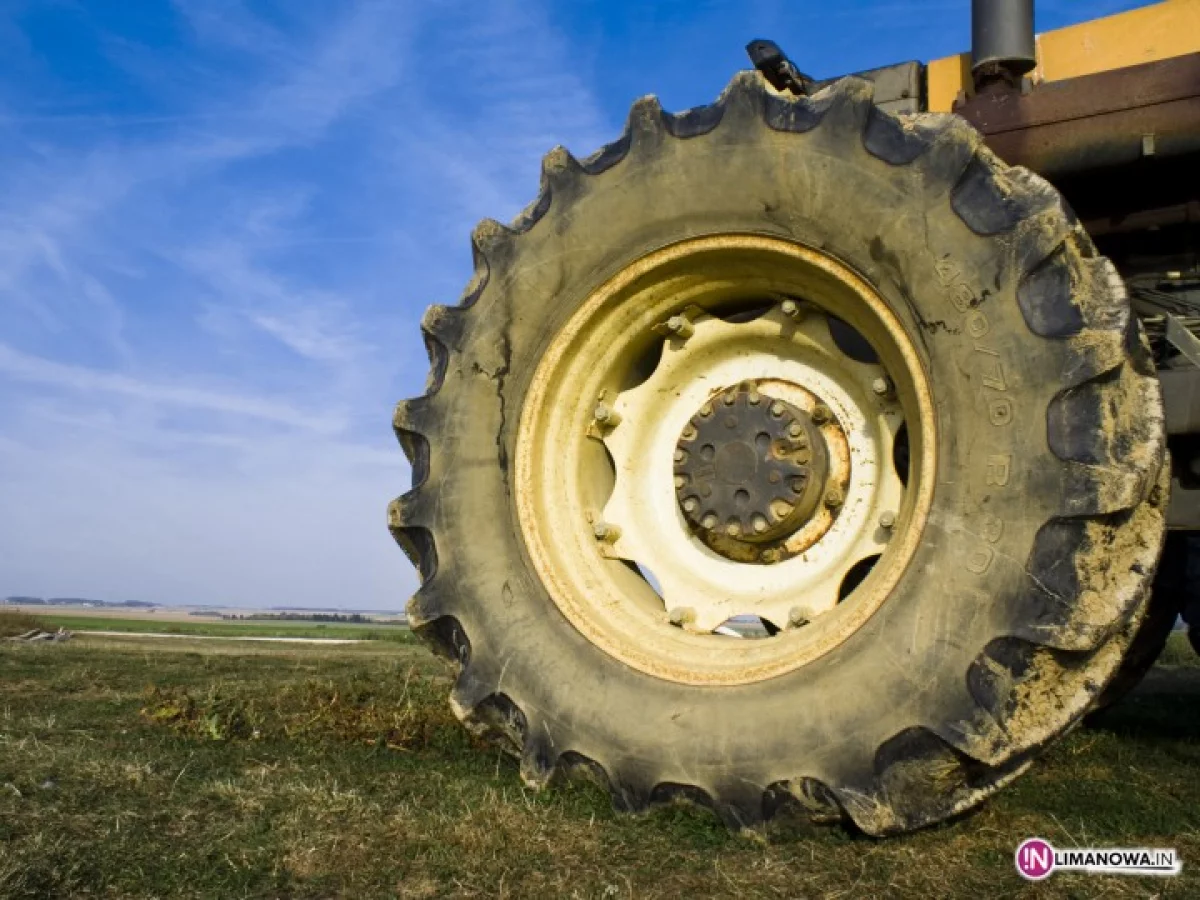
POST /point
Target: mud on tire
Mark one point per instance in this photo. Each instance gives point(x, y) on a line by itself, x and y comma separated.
point(1047, 513)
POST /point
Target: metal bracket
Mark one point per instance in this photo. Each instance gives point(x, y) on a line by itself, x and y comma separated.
point(1183, 340)
point(782, 74)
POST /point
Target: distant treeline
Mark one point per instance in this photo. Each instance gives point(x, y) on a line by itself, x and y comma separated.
point(74, 601)
point(349, 618)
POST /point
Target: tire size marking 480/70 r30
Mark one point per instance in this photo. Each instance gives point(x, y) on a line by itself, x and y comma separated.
point(990, 368)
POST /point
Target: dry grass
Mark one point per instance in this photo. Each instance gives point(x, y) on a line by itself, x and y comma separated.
point(13, 623)
point(214, 770)
point(397, 713)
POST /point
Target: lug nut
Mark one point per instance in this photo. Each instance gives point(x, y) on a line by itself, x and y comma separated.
point(799, 615)
point(834, 498)
point(680, 481)
point(706, 410)
point(709, 521)
point(605, 532)
point(791, 309)
point(691, 504)
point(681, 615)
point(759, 523)
point(795, 429)
point(733, 529)
point(606, 416)
point(680, 456)
point(776, 409)
point(882, 387)
point(680, 326)
point(821, 414)
point(887, 520)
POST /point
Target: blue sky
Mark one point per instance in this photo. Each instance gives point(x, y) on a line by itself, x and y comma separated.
point(220, 222)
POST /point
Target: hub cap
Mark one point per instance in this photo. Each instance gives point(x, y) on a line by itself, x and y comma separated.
point(748, 466)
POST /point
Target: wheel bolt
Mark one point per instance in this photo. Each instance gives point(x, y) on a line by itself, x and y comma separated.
point(680, 326)
point(834, 498)
point(606, 416)
point(709, 521)
point(680, 481)
point(791, 309)
point(729, 398)
point(799, 615)
point(691, 504)
point(706, 410)
point(887, 520)
point(821, 414)
point(882, 387)
point(795, 429)
point(680, 455)
point(733, 529)
point(606, 533)
point(759, 523)
point(776, 409)
point(681, 615)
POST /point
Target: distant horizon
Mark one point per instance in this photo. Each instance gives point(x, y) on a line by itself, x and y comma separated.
point(33, 600)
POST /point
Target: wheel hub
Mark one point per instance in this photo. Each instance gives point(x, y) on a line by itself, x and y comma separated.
point(749, 466)
point(607, 410)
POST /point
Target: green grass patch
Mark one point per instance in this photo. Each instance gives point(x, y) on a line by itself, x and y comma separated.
point(1179, 652)
point(231, 627)
point(135, 768)
point(399, 713)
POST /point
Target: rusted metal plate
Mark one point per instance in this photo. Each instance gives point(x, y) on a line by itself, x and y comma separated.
point(1156, 31)
point(1105, 120)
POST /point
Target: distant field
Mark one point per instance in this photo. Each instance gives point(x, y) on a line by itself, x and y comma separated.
point(226, 628)
point(165, 613)
point(215, 769)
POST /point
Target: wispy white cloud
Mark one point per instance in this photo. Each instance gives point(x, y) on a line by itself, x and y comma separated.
point(36, 371)
point(209, 296)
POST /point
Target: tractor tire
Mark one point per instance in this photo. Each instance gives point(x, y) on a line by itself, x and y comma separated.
point(1167, 601)
point(1011, 578)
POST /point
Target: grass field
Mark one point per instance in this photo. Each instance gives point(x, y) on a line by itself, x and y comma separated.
point(229, 627)
point(137, 768)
